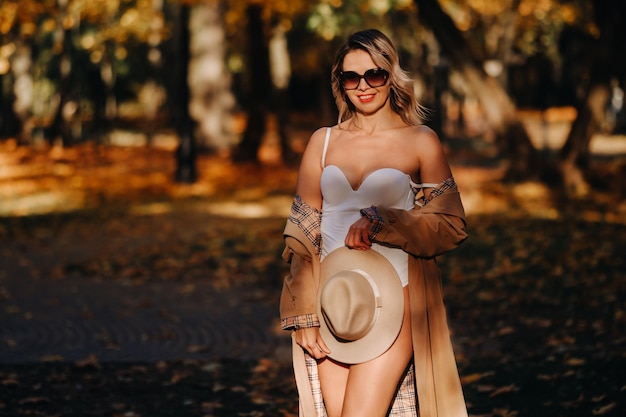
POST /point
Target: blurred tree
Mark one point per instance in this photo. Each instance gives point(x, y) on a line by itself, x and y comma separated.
point(17, 29)
point(211, 98)
point(62, 61)
point(500, 111)
point(186, 151)
point(66, 107)
point(152, 96)
point(54, 35)
point(506, 32)
point(257, 105)
point(603, 59)
point(267, 72)
point(107, 29)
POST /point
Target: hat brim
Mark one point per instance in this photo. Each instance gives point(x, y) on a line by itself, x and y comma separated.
point(389, 322)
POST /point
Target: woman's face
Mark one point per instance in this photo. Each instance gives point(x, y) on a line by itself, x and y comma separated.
point(366, 99)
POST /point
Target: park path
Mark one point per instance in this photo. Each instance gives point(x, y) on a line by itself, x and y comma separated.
point(74, 319)
point(56, 309)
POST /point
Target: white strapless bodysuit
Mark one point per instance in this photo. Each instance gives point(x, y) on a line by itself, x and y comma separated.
point(341, 205)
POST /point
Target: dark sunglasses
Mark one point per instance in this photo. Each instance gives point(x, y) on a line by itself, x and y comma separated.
point(375, 77)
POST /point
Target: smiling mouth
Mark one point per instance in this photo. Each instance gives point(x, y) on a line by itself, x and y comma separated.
point(366, 97)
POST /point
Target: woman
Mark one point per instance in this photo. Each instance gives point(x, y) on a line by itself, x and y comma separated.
point(377, 181)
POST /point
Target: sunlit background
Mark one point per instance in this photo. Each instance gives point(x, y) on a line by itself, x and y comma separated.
point(95, 92)
point(148, 160)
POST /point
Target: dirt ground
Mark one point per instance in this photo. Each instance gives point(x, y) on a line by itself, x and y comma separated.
point(97, 236)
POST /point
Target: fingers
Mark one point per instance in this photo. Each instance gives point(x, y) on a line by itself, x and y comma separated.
point(317, 352)
point(310, 340)
point(358, 235)
point(323, 347)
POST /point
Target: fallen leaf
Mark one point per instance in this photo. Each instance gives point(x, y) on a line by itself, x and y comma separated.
point(503, 390)
point(179, 376)
point(470, 379)
point(551, 377)
point(33, 400)
point(11, 380)
point(10, 342)
point(197, 348)
point(91, 360)
point(506, 330)
point(209, 406)
point(603, 410)
point(504, 412)
point(575, 362)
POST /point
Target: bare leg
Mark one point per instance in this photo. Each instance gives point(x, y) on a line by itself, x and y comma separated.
point(333, 380)
point(367, 389)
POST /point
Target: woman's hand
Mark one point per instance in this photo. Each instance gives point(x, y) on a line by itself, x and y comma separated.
point(309, 338)
point(358, 235)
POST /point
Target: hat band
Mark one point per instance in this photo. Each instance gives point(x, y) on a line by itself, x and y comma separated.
point(377, 298)
point(379, 303)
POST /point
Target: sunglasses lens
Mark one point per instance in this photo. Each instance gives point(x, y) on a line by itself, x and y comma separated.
point(376, 77)
point(350, 79)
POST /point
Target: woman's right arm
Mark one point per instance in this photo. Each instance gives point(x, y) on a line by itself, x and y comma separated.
point(310, 172)
point(308, 188)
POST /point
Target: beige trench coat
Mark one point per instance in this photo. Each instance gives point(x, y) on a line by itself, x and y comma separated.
point(423, 232)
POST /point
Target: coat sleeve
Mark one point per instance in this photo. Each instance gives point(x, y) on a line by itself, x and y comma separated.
point(299, 292)
point(424, 231)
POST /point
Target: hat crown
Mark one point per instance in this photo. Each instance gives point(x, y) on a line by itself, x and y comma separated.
point(349, 304)
point(360, 303)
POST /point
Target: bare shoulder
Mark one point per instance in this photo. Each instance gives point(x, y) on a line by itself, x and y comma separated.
point(320, 132)
point(430, 154)
point(426, 141)
point(316, 141)
point(311, 169)
point(425, 135)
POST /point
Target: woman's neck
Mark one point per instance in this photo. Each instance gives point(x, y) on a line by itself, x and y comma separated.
point(370, 123)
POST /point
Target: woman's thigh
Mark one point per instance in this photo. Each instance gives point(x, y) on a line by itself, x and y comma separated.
point(333, 381)
point(367, 389)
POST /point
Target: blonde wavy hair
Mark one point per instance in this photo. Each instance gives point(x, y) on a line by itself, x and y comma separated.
point(385, 55)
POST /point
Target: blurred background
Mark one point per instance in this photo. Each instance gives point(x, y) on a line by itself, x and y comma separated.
point(540, 83)
point(148, 159)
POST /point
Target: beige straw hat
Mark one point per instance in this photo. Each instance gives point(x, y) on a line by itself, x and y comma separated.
point(360, 304)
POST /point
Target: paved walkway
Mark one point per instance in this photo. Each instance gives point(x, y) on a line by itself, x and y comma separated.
point(43, 318)
point(72, 319)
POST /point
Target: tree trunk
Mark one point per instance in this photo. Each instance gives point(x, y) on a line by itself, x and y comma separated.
point(280, 70)
point(211, 97)
point(511, 138)
point(574, 157)
point(9, 122)
point(23, 90)
point(60, 129)
point(186, 151)
point(604, 58)
point(258, 68)
point(504, 49)
point(100, 125)
point(151, 99)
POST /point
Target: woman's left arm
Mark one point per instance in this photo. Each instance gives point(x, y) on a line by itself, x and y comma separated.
point(433, 228)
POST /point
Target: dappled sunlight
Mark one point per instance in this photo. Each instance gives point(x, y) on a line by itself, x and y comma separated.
point(140, 178)
point(87, 176)
point(278, 206)
point(270, 207)
point(536, 199)
point(42, 202)
point(608, 145)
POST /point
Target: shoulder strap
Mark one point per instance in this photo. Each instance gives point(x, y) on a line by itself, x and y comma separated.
point(425, 185)
point(326, 140)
